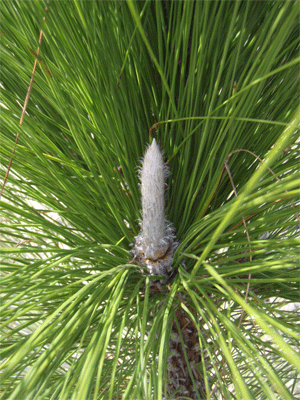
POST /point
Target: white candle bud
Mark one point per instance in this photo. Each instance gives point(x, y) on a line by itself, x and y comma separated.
point(155, 244)
point(153, 203)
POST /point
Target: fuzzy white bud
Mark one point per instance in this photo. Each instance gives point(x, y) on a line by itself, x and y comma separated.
point(155, 245)
point(153, 203)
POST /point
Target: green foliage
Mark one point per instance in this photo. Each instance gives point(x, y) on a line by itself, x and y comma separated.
point(77, 320)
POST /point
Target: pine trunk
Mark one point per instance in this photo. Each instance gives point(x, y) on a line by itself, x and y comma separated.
point(179, 378)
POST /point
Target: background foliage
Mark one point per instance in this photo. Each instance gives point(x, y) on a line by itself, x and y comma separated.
point(77, 321)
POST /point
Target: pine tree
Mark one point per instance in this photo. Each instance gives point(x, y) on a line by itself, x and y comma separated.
point(203, 311)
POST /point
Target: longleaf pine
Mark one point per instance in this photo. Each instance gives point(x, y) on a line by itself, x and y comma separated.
point(149, 200)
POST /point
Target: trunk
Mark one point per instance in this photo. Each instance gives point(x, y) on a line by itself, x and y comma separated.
point(179, 378)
